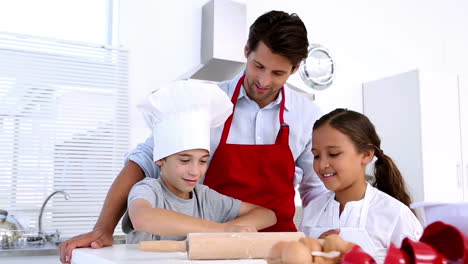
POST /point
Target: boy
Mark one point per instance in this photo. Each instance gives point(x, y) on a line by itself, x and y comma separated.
point(173, 205)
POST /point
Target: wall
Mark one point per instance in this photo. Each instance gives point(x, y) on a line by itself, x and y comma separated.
point(163, 38)
point(369, 39)
point(374, 39)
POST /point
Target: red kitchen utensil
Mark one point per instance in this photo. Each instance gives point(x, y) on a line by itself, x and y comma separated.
point(448, 240)
point(396, 256)
point(421, 253)
point(357, 256)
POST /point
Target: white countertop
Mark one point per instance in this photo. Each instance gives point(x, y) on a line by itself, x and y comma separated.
point(129, 253)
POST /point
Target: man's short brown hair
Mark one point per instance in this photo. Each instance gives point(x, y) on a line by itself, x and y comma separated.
point(285, 34)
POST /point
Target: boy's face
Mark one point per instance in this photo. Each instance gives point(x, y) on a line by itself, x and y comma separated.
point(181, 171)
point(266, 73)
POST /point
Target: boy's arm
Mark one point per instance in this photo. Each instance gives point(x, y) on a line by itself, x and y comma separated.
point(254, 215)
point(164, 222)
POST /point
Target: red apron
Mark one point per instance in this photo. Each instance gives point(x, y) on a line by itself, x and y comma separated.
point(257, 174)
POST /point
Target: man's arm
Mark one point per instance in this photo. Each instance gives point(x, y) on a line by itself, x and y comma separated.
point(310, 186)
point(165, 222)
point(116, 200)
point(112, 210)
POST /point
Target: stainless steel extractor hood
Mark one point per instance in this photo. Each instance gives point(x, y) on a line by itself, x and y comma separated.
point(224, 34)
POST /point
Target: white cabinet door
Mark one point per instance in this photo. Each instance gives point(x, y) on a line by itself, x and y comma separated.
point(463, 103)
point(392, 104)
point(440, 136)
point(417, 117)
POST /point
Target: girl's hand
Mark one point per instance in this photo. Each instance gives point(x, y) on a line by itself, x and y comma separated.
point(329, 232)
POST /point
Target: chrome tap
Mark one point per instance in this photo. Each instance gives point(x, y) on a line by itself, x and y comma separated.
point(43, 207)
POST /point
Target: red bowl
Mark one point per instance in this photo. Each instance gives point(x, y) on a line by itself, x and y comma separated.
point(420, 252)
point(448, 240)
point(396, 256)
point(357, 256)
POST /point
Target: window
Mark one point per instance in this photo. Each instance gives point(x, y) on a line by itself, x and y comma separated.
point(63, 126)
point(87, 21)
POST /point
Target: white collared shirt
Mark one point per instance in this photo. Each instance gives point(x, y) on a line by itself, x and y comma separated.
point(388, 220)
point(255, 125)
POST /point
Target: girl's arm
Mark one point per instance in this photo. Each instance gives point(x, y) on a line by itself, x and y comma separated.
point(164, 222)
point(407, 225)
point(254, 215)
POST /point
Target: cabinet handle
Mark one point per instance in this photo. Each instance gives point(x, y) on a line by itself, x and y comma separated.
point(459, 175)
point(465, 186)
point(460, 181)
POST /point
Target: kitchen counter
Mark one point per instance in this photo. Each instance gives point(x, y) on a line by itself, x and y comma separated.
point(129, 253)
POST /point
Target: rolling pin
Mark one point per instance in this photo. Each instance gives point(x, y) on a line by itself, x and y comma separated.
point(223, 245)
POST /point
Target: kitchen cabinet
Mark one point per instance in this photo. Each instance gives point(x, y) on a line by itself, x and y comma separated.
point(421, 118)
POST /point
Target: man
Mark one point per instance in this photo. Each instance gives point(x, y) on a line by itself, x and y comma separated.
point(252, 161)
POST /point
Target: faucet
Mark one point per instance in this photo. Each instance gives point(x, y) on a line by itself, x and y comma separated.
point(40, 231)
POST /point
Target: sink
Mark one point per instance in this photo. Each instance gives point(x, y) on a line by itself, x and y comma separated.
point(119, 239)
point(38, 243)
point(48, 248)
point(45, 249)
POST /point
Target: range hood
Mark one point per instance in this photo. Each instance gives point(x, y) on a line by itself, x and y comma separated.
point(224, 34)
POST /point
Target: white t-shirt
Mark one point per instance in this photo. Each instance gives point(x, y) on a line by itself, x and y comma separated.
point(388, 220)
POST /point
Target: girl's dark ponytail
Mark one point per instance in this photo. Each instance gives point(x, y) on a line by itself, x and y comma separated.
point(388, 178)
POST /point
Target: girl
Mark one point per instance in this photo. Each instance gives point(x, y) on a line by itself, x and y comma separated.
point(372, 216)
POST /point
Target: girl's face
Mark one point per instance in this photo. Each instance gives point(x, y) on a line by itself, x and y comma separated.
point(336, 160)
point(180, 172)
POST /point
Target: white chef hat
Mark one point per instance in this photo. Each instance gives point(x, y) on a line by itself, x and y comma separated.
point(181, 114)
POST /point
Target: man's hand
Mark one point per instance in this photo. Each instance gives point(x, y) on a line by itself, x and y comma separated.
point(239, 228)
point(329, 232)
point(94, 239)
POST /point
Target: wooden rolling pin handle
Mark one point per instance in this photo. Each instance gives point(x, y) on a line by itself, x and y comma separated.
point(164, 246)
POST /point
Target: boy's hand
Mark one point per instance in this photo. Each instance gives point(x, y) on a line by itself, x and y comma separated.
point(239, 228)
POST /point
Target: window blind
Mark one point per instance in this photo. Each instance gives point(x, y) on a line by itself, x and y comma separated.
point(63, 126)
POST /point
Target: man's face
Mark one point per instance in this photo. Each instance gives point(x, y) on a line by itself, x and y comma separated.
point(266, 73)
